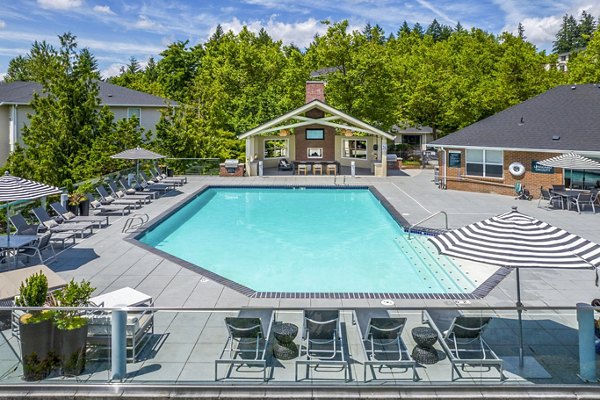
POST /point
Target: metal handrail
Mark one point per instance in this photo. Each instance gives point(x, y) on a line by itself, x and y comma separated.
point(426, 219)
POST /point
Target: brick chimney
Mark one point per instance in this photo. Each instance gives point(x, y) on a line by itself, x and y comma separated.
point(315, 90)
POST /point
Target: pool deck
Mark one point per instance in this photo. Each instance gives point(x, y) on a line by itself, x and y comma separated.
point(187, 343)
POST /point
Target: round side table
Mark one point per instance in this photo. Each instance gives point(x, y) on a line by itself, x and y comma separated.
point(284, 347)
point(424, 352)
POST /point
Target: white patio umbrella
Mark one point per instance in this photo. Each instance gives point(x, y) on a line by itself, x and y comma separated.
point(13, 188)
point(137, 154)
point(515, 240)
point(571, 161)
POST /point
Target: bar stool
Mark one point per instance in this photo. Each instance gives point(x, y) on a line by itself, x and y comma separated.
point(303, 168)
point(317, 167)
point(331, 168)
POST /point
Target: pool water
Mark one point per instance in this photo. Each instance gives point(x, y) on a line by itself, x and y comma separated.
point(304, 240)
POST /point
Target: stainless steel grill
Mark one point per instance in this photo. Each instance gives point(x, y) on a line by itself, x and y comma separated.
point(231, 165)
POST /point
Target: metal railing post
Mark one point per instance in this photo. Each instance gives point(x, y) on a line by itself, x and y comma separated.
point(118, 344)
point(587, 346)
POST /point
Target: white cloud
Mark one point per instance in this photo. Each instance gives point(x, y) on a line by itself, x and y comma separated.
point(2, 24)
point(541, 30)
point(146, 23)
point(60, 4)
point(299, 33)
point(103, 10)
point(111, 70)
point(436, 11)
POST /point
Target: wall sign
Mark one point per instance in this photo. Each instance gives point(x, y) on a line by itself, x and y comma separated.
point(541, 169)
point(454, 159)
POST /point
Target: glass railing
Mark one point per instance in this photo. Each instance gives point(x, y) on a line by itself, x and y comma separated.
point(395, 346)
point(193, 166)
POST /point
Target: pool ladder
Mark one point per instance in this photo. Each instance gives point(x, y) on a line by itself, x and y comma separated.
point(134, 222)
point(427, 219)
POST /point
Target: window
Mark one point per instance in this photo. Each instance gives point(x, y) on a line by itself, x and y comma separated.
point(412, 140)
point(137, 112)
point(354, 148)
point(315, 134)
point(314, 152)
point(276, 148)
point(487, 163)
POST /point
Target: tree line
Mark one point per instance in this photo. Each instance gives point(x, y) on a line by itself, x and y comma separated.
point(444, 77)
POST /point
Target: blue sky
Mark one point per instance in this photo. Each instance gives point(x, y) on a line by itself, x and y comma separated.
point(115, 30)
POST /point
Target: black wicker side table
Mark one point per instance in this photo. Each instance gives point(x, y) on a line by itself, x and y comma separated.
point(424, 352)
point(284, 347)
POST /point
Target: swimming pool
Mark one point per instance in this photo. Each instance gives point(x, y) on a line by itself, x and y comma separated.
point(304, 240)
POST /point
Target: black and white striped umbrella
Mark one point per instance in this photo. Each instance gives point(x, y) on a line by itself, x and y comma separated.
point(13, 188)
point(571, 161)
point(518, 241)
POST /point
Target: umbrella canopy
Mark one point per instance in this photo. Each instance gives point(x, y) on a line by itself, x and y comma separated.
point(571, 161)
point(138, 154)
point(13, 188)
point(517, 241)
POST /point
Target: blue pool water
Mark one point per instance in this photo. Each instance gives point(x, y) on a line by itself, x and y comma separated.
point(304, 240)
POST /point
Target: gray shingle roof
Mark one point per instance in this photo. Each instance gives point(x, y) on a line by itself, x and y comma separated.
point(571, 114)
point(110, 95)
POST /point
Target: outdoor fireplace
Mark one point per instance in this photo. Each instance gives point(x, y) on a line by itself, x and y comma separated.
point(231, 168)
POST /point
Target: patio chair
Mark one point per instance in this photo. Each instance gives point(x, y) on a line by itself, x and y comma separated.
point(155, 185)
point(461, 338)
point(247, 340)
point(132, 190)
point(37, 248)
point(582, 200)
point(24, 228)
point(106, 209)
point(381, 339)
point(284, 165)
point(552, 199)
point(158, 177)
point(322, 341)
point(119, 194)
point(558, 187)
point(69, 216)
point(164, 175)
point(51, 224)
point(108, 199)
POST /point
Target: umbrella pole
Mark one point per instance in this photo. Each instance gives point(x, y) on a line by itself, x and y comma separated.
point(8, 224)
point(519, 311)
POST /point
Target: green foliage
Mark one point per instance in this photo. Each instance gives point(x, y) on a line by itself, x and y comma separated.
point(74, 294)
point(574, 35)
point(585, 67)
point(33, 291)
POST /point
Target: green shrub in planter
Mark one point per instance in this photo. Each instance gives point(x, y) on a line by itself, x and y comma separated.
point(35, 329)
point(71, 327)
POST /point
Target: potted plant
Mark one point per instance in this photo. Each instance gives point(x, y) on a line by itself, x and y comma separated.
point(71, 326)
point(74, 201)
point(35, 329)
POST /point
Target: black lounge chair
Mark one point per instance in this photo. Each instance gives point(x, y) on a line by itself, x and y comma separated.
point(381, 339)
point(106, 209)
point(322, 341)
point(108, 199)
point(155, 185)
point(24, 228)
point(162, 178)
point(248, 340)
point(284, 165)
point(49, 222)
point(119, 194)
point(461, 338)
point(70, 217)
point(130, 189)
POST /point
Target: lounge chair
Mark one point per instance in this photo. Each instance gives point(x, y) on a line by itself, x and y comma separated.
point(106, 209)
point(381, 339)
point(322, 341)
point(155, 185)
point(130, 189)
point(46, 220)
point(284, 165)
point(159, 178)
point(23, 228)
point(248, 340)
point(461, 338)
point(108, 199)
point(69, 216)
point(162, 173)
point(119, 194)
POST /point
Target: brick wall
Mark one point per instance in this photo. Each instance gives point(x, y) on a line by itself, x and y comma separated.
point(239, 171)
point(327, 144)
point(315, 91)
point(456, 178)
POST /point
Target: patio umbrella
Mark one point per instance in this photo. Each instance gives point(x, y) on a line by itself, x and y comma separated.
point(137, 154)
point(13, 188)
point(571, 161)
point(515, 240)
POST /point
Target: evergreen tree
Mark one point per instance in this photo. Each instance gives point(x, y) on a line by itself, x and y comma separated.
point(587, 26)
point(404, 29)
point(521, 32)
point(417, 29)
point(567, 36)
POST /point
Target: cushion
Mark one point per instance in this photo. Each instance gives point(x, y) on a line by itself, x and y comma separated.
point(50, 223)
point(130, 191)
point(109, 199)
point(120, 193)
point(95, 204)
point(69, 215)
